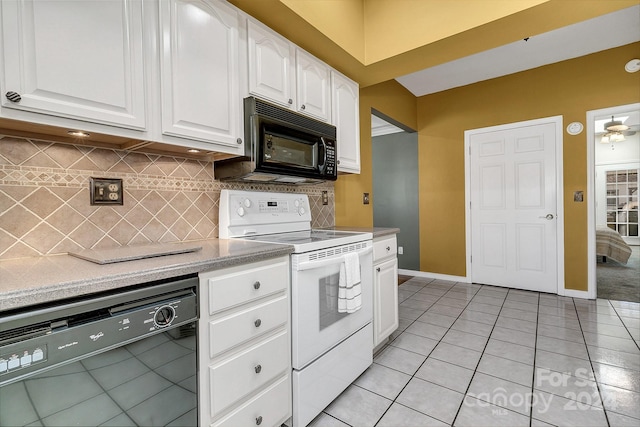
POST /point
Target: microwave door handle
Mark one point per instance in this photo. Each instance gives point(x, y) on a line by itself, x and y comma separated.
point(310, 265)
point(324, 152)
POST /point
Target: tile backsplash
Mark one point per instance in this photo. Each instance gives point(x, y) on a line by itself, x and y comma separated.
point(45, 209)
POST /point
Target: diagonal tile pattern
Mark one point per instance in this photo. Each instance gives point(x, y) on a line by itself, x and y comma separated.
point(504, 357)
point(45, 209)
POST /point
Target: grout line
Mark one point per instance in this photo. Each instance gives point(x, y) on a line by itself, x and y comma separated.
point(480, 359)
point(533, 374)
point(595, 379)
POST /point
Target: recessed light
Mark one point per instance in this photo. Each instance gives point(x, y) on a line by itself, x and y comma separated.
point(79, 134)
point(193, 150)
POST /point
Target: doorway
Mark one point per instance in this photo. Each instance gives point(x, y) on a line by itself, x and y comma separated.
point(395, 186)
point(514, 205)
point(612, 193)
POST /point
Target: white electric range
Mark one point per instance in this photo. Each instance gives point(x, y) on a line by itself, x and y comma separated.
point(330, 346)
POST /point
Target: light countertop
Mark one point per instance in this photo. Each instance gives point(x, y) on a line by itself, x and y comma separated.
point(30, 281)
point(376, 231)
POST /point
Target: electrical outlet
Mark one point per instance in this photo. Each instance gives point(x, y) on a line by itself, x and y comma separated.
point(365, 198)
point(106, 191)
point(325, 198)
point(400, 250)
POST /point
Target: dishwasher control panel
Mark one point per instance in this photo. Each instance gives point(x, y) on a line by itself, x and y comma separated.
point(22, 358)
point(62, 340)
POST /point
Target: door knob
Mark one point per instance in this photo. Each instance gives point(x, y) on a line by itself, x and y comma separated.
point(548, 216)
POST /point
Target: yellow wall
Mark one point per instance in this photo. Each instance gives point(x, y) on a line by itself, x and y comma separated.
point(569, 88)
point(394, 38)
point(393, 100)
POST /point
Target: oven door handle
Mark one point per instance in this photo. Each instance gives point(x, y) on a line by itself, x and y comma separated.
point(309, 265)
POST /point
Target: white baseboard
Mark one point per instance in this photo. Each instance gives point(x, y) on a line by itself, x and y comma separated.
point(438, 276)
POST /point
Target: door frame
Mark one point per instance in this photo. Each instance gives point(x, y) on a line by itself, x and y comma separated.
point(558, 122)
point(592, 285)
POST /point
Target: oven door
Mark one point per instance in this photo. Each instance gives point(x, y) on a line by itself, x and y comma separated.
point(317, 325)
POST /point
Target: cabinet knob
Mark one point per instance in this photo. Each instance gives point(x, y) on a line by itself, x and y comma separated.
point(303, 107)
point(378, 269)
point(259, 420)
point(258, 368)
point(290, 101)
point(256, 285)
point(388, 248)
point(13, 96)
point(338, 161)
point(258, 323)
point(239, 141)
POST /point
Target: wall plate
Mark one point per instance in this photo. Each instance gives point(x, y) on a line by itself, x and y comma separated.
point(106, 191)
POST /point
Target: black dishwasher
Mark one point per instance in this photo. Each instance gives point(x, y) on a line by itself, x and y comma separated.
point(125, 358)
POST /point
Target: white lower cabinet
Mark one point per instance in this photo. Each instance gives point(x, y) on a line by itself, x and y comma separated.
point(385, 288)
point(245, 345)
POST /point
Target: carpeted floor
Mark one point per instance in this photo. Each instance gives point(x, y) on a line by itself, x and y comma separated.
point(617, 281)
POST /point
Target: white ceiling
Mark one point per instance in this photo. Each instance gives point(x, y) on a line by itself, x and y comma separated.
point(594, 35)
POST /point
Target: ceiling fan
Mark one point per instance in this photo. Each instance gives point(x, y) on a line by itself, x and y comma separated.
point(616, 130)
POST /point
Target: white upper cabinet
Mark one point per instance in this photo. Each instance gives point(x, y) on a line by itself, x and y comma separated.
point(271, 65)
point(200, 88)
point(346, 117)
point(74, 59)
point(313, 86)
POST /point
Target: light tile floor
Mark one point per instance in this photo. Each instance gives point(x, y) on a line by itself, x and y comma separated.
point(471, 355)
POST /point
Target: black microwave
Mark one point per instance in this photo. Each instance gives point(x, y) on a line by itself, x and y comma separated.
point(282, 146)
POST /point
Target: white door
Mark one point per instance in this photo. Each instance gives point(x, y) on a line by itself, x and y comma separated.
point(513, 186)
point(200, 87)
point(74, 59)
point(313, 90)
point(385, 300)
point(345, 111)
point(271, 65)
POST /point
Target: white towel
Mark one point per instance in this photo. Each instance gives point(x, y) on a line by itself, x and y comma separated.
point(349, 289)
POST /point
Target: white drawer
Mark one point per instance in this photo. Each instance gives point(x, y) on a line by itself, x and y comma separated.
point(241, 285)
point(229, 331)
point(385, 247)
point(271, 408)
point(234, 378)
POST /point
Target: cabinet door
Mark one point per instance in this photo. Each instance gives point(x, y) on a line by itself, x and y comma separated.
point(75, 59)
point(385, 314)
point(199, 72)
point(313, 86)
point(346, 118)
point(271, 65)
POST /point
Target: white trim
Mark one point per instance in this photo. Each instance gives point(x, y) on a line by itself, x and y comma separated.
point(557, 121)
point(592, 289)
point(572, 293)
point(437, 276)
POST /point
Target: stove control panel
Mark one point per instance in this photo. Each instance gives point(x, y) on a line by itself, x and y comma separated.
point(244, 213)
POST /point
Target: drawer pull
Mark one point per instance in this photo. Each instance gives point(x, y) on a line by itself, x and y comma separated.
point(258, 323)
point(388, 248)
point(256, 285)
point(258, 368)
point(378, 269)
point(259, 420)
